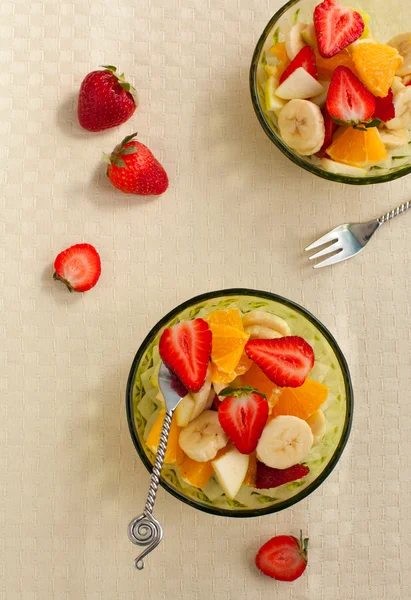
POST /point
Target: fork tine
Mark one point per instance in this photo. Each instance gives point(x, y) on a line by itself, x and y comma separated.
point(331, 236)
point(333, 260)
point(327, 250)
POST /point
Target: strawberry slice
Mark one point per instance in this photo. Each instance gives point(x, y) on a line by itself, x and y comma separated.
point(286, 361)
point(268, 478)
point(78, 267)
point(385, 109)
point(186, 348)
point(283, 557)
point(336, 27)
point(330, 128)
point(305, 59)
point(243, 415)
point(348, 99)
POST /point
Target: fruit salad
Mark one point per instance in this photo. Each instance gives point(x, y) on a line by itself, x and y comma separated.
point(263, 411)
point(338, 96)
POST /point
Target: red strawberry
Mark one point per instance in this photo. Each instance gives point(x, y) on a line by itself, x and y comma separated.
point(283, 557)
point(79, 267)
point(106, 100)
point(385, 109)
point(348, 99)
point(243, 414)
point(268, 478)
point(409, 83)
point(330, 128)
point(336, 26)
point(286, 361)
point(185, 348)
point(133, 169)
point(305, 59)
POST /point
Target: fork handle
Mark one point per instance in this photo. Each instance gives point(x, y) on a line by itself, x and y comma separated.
point(394, 213)
point(146, 530)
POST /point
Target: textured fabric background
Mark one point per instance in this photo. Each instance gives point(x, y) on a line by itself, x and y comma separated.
point(237, 214)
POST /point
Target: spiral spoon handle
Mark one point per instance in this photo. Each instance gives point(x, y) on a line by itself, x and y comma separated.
point(145, 530)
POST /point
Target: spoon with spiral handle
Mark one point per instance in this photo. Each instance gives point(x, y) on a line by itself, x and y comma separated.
point(145, 530)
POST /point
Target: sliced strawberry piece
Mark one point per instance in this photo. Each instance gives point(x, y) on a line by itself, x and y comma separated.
point(268, 477)
point(336, 27)
point(283, 557)
point(243, 415)
point(348, 99)
point(330, 128)
point(385, 109)
point(286, 361)
point(78, 267)
point(305, 59)
point(185, 348)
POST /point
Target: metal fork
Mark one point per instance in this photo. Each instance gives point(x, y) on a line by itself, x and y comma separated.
point(348, 240)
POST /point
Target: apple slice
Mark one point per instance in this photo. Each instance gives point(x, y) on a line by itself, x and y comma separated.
point(321, 99)
point(185, 410)
point(272, 101)
point(231, 469)
point(300, 85)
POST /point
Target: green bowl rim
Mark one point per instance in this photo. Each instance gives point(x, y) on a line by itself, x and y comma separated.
point(243, 513)
point(279, 143)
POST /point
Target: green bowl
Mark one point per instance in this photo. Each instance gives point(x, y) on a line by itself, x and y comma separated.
point(141, 404)
point(388, 19)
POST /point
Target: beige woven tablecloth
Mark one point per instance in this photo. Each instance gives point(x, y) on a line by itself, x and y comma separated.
point(237, 213)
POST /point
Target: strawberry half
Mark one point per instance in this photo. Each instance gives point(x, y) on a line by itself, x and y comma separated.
point(286, 361)
point(336, 27)
point(186, 348)
point(384, 108)
point(243, 415)
point(305, 59)
point(348, 100)
point(268, 478)
point(105, 100)
point(283, 557)
point(330, 128)
point(78, 267)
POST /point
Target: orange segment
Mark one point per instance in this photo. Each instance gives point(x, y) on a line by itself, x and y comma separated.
point(227, 346)
point(376, 65)
point(257, 379)
point(251, 475)
point(218, 376)
point(301, 402)
point(359, 148)
point(280, 52)
point(174, 454)
point(230, 316)
point(327, 66)
point(195, 473)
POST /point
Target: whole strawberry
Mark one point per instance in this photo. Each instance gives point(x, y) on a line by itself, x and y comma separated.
point(78, 267)
point(105, 100)
point(133, 169)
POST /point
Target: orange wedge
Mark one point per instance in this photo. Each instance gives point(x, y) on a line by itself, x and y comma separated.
point(257, 379)
point(227, 346)
point(327, 66)
point(280, 53)
point(251, 475)
point(359, 148)
point(174, 454)
point(195, 473)
point(230, 316)
point(218, 376)
point(301, 402)
point(376, 66)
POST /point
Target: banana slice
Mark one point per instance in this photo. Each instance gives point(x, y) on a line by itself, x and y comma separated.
point(265, 319)
point(184, 411)
point(402, 103)
point(394, 138)
point(318, 426)
point(397, 86)
point(258, 332)
point(285, 441)
point(203, 437)
point(294, 42)
point(201, 398)
point(331, 166)
point(302, 126)
point(402, 43)
point(321, 99)
point(406, 80)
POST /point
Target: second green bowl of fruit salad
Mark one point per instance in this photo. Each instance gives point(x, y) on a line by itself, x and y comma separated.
point(293, 28)
point(144, 403)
